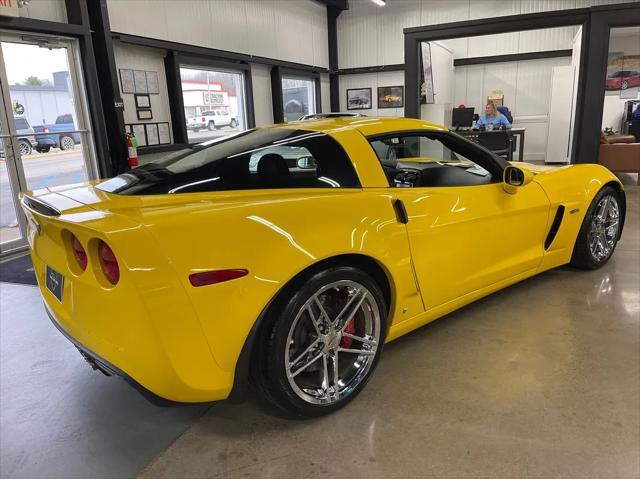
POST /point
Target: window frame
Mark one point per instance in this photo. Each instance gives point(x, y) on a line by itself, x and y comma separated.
point(176, 60)
point(277, 74)
point(494, 164)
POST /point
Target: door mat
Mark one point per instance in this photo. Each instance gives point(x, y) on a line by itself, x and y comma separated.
point(18, 270)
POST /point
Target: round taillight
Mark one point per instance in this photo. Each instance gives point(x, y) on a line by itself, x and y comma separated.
point(79, 252)
point(109, 263)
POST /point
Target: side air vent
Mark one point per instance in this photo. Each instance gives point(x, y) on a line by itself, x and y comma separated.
point(555, 226)
point(39, 206)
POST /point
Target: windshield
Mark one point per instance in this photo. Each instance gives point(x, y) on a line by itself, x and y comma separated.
point(254, 159)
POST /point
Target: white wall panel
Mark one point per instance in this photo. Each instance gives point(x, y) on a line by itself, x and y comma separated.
point(391, 20)
point(373, 81)
point(263, 106)
point(492, 8)
point(184, 15)
point(370, 35)
point(139, 17)
point(294, 31)
point(51, 10)
point(261, 27)
point(526, 86)
point(148, 59)
point(358, 35)
point(436, 11)
point(325, 93)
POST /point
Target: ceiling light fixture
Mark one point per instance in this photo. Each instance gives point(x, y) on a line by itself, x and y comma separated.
point(380, 3)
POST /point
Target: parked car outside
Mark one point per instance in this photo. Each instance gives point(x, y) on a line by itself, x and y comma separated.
point(623, 79)
point(26, 140)
point(211, 119)
point(58, 134)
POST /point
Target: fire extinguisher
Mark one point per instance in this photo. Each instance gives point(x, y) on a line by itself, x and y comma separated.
point(132, 144)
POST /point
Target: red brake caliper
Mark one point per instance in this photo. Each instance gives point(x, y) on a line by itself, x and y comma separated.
point(351, 329)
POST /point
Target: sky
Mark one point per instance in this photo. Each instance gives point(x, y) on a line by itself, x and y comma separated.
point(22, 61)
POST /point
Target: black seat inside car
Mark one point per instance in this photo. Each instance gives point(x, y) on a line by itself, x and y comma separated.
point(273, 171)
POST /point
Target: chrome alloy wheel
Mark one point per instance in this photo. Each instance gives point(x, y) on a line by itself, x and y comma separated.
point(332, 342)
point(603, 233)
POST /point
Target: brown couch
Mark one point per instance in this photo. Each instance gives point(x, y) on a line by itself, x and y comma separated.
point(620, 153)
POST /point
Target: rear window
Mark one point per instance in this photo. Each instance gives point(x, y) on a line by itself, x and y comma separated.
point(64, 119)
point(254, 159)
point(21, 124)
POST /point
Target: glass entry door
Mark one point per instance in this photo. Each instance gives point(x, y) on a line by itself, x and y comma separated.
point(45, 136)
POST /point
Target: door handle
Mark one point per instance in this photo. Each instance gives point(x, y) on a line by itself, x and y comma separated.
point(401, 211)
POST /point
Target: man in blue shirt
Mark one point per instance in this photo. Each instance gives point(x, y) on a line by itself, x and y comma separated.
point(492, 119)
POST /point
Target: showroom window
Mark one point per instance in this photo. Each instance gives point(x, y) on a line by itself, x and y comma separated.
point(214, 103)
point(298, 97)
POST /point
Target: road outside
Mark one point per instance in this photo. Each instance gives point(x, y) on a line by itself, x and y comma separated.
point(41, 170)
point(204, 135)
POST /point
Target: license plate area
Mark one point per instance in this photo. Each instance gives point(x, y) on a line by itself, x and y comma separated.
point(54, 282)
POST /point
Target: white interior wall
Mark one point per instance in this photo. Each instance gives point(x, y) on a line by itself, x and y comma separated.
point(625, 40)
point(325, 93)
point(147, 59)
point(51, 10)
point(369, 35)
point(262, 104)
point(373, 81)
point(526, 86)
point(288, 30)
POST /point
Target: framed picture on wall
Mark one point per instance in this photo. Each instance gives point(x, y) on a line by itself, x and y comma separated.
point(142, 101)
point(359, 99)
point(391, 96)
point(145, 114)
point(126, 81)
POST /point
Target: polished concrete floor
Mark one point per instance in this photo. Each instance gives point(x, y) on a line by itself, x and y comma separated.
point(539, 380)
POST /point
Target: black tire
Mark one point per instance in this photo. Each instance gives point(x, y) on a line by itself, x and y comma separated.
point(582, 256)
point(25, 147)
point(233, 123)
point(67, 143)
point(269, 368)
point(624, 85)
point(211, 126)
point(43, 149)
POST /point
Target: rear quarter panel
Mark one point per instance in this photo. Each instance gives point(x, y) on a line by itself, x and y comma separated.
point(574, 187)
point(275, 235)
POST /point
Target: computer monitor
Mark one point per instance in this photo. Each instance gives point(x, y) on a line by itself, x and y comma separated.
point(462, 117)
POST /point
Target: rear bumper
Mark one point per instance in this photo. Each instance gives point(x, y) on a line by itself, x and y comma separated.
point(109, 369)
point(153, 342)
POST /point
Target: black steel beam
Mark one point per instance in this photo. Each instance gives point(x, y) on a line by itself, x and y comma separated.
point(411, 77)
point(107, 71)
point(592, 77)
point(43, 26)
point(276, 95)
point(505, 24)
point(397, 67)
point(332, 35)
point(176, 101)
point(514, 57)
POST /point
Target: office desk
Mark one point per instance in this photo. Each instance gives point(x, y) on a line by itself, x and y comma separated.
point(513, 134)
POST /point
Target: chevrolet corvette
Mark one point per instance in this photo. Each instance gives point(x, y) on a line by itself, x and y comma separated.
point(228, 264)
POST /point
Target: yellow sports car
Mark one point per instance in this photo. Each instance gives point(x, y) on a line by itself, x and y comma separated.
point(287, 256)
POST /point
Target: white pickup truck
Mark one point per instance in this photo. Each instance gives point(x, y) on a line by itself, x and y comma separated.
point(211, 119)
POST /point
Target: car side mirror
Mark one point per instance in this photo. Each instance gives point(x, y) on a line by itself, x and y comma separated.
point(514, 178)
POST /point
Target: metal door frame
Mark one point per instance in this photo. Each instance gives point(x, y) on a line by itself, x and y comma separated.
point(13, 159)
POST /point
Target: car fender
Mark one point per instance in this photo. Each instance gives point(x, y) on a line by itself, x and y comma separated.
point(573, 187)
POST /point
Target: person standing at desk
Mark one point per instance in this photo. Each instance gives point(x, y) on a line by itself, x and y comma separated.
point(492, 119)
